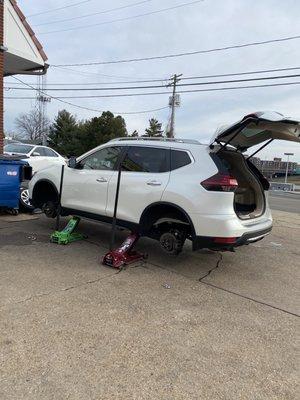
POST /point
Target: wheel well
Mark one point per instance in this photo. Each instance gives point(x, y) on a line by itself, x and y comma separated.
point(164, 212)
point(44, 191)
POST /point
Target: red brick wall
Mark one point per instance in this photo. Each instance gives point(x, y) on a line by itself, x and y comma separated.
point(1, 75)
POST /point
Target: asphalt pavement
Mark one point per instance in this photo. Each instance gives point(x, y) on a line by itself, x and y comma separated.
point(282, 201)
point(203, 325)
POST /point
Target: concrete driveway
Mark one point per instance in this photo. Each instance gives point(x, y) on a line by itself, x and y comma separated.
point(71, 328)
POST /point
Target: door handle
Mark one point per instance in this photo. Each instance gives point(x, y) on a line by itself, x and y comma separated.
point(101, 180)
point(154, 183)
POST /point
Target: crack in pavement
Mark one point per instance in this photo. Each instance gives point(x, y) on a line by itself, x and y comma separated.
point(251, 299)
point(224, 289)
point(33, 297)
point(36, 296)
point(213, 269)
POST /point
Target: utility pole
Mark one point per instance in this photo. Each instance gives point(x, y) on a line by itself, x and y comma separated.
point(173, 102)
point(287, 165)
point(42, 101)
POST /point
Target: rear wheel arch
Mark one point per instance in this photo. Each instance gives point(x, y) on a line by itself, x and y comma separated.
point(159, 210)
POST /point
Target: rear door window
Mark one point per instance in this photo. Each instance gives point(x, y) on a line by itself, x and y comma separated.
point(50, 153)
point(146, 159)
point(40, 150)
point(179, 158)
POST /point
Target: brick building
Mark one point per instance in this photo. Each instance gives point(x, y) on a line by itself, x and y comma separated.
point(20, 51)
point(275, 167)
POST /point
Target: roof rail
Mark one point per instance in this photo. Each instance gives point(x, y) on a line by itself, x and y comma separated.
point(156, 139)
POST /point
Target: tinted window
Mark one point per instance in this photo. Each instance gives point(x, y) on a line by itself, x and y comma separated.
point(49, 153)
point(104, 159)
point(179, 159)
point(146, 159)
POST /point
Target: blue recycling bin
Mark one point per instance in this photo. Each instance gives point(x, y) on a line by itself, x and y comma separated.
point(12, 172)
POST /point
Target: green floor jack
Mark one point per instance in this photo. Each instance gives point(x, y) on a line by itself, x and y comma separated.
point(67, 235)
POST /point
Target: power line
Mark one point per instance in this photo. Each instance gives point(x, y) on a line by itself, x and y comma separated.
point(264, 71)
point(161, 93)
point(163, 86)
point(95, 13)
point(87, 108)
point(59, 8)
point(96, 83)
point(166, 79)
point(123, 19)
point(190, 53)
point(84, 73)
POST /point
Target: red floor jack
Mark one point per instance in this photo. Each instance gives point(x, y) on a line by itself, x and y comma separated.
point(123, 255)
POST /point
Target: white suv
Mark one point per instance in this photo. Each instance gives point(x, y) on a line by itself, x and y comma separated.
point(173, 190)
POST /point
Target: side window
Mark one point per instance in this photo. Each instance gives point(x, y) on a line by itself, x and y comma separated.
point(146, 159)
point(179, 159)
point(49, 153)
point(104, 159)
point(40, 150)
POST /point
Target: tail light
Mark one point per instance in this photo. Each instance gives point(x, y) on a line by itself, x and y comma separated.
point(220, 183)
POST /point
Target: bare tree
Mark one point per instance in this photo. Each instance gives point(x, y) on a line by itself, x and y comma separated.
point(12, 135)
point(32, 126)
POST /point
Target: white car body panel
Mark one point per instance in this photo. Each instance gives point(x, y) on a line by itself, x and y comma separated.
point(38, 163)
point(86, 190)
point(137, 191)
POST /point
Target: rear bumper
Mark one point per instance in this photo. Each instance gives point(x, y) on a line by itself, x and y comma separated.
point(208, 242)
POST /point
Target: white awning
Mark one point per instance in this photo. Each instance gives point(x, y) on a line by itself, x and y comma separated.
point(23, 52)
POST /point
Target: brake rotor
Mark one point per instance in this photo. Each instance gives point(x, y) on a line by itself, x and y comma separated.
point(172, 242)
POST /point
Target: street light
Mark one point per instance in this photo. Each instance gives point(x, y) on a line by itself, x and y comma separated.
point(287, 165)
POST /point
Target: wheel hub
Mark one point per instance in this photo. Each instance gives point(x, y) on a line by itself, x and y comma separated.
point(172, 242)
point(25, 197)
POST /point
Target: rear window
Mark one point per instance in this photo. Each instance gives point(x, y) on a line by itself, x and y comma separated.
point(18, 148)
point(179, 159)
point(146, 159)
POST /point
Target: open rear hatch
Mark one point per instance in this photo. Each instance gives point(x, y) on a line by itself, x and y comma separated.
point(257, 128)
point(252, 130)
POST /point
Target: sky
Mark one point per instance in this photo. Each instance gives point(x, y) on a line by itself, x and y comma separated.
point(203, 25)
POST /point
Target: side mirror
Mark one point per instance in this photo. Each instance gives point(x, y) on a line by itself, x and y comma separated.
point(72, 162)
point(36, 154)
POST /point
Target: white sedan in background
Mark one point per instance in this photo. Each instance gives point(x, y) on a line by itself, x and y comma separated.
point(38, 157)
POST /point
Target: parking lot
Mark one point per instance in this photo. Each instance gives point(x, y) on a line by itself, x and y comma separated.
point(204, 325)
